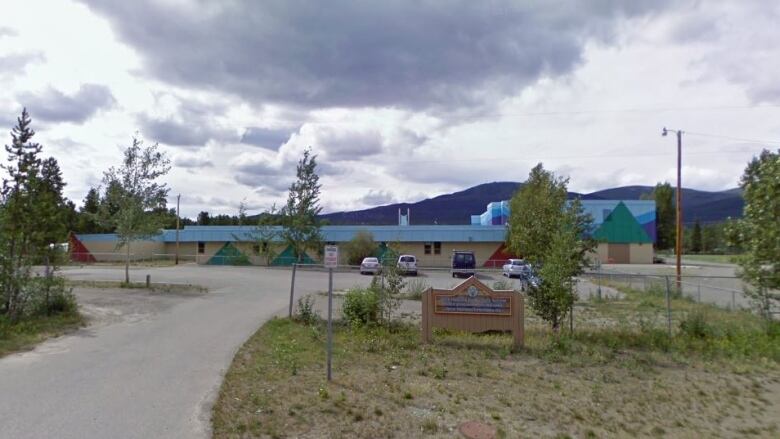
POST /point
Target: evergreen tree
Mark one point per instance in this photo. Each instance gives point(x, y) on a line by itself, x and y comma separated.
point(696, 238)
point(88, 214)
point(204, 219)
point(665, 227)
point(23, 170)
point(299, 215)
point(32, 221)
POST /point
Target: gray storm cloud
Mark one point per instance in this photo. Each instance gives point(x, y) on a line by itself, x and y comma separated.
point(407, 54)
point(53, 105)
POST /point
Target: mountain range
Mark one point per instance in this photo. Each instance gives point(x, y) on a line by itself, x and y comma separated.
point(457, 207)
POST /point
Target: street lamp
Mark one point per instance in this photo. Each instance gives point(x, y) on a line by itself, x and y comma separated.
point(678, 241)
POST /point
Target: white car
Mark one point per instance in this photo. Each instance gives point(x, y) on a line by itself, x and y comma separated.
point(407, 264)
point(516, 268)
point(370, 266)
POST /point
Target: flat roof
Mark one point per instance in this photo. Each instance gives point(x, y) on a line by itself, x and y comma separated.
point(421, 233)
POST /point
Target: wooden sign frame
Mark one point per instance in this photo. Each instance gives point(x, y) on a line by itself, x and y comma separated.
point(473, 306)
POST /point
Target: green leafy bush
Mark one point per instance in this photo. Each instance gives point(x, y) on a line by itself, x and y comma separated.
point(502, 284)
point(361, 306)
point(415, 288)
point(695, 325)
point(48, 296)
point(305, 312)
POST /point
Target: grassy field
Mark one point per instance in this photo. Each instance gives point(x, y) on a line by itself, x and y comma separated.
point(29, 332)
point(720, 259)
point(619, 374)
point(155, 287)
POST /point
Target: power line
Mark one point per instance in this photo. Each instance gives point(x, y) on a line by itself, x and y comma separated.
point(738, 139)
point(565, 157)
point(641, 110)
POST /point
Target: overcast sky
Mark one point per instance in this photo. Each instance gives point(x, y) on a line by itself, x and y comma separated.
point(400, 100)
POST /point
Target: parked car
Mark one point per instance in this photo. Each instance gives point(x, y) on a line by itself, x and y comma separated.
point(516, 268)
point(464, 263)
point(407, 264)
point(370, 266)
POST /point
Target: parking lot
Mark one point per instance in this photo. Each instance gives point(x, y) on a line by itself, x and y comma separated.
point(150, 364)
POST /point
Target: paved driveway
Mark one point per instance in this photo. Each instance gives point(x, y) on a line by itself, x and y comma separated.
point(149, 365)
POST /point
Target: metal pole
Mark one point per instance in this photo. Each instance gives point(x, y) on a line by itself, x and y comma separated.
point(292, 290)
point(178, 215)
point(330, 321)
point(699, 294)
point(678, 243)
point(571, 316)
point(668, 306)
point(598, 277)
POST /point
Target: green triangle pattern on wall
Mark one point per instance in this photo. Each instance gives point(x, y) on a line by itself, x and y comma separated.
point(620, 227)
point(229, 255)
point(287, 257)
point(386, 255)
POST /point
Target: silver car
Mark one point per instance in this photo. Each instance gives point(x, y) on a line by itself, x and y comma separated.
point(407, 264)
point(370, 266)
point(516, 268)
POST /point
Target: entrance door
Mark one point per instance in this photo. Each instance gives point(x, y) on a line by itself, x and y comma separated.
point(619, 253)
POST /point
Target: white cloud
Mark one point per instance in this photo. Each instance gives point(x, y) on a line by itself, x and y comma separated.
point(393, 120)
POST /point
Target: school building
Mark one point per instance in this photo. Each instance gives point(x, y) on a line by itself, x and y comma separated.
point(625, 230)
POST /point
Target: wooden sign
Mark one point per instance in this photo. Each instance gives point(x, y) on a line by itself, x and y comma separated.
point(475, 307)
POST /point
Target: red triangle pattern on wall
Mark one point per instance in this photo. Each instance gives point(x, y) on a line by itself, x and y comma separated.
point(499, 257)
point(78, 251)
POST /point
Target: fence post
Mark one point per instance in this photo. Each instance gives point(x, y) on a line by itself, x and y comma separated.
point(148, 280)
point(292, 290)
point(733, 301)
point(571, 318)
point(668, 306)
point(598, 291)
point(698, 294)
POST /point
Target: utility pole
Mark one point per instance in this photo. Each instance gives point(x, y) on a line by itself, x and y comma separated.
point(679, 237)
point(178, 215)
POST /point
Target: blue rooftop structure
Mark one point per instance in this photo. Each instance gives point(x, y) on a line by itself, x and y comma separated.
point(422, 233)
point(497, 213)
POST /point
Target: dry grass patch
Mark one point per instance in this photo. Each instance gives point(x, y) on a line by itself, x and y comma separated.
point(29, 332)
point(387, 384)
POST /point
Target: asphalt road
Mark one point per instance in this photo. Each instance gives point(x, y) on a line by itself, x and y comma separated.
point(149, 365)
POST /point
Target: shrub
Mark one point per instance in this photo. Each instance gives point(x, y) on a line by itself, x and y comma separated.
point(361, 246)
point(695, 325)
point(502, 284)
point(415, 288)
point(305, 312)
point(361, 306)
point(48, 296)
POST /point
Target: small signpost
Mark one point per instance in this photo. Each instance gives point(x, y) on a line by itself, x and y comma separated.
point(330, 261)
point(473, 306)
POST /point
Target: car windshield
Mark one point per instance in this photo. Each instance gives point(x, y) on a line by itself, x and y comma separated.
point(517, 262)
point(407, 258)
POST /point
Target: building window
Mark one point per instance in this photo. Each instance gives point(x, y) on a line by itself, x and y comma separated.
point(256, 249)
point(427, 248)
point(201, 247)
point(437, 248)
point(265, 247)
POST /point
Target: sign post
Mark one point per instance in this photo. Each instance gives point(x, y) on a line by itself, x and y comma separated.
point(331, 261)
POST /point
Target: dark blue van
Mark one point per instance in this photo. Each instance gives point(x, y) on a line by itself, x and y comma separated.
point(464, 263)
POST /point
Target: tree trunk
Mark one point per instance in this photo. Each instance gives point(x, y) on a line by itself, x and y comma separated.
point(127, 263)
